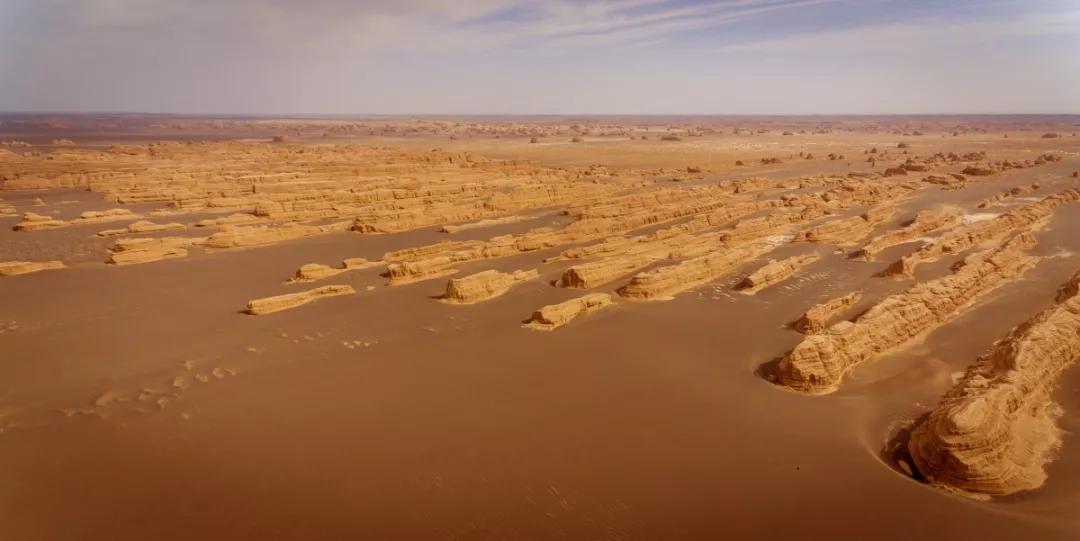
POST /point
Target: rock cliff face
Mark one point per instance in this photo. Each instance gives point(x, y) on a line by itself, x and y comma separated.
point(775, 272)
point(664, 282)
point(484, 285)
point(994, 432)
point(292, 300)
point(969, 235)
point(819, 363)
point(553, 316)
point(816, 319)
point(12, 268)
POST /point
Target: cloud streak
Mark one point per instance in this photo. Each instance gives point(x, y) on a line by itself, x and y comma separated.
point(458, 56)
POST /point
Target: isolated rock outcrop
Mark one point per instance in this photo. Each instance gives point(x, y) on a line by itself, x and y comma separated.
point(775, 272)
point(819, 363)
point(994, 432)
point(817, 318)
point(12, 268)
point(484, 285)
point(292, 300)
point(553, 316)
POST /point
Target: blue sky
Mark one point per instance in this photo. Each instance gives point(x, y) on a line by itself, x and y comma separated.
point(533, 56)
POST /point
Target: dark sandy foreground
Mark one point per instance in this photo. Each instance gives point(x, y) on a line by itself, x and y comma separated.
point(387, 415)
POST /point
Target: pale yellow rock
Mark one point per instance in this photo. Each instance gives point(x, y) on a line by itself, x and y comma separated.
point(292, 300)
point(484, 285)
point(12, 268)
point(969, 235)
point(553, 316)
point(816, 319)
point(133, 251)
point(664, 282)
point(488, 222)
point(995, 431)
point(597, 273)
point(141, 226)
point(819, 363)
point(925, 222)
point(775, 272)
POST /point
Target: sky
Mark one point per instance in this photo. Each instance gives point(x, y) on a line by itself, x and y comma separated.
point(540, 56)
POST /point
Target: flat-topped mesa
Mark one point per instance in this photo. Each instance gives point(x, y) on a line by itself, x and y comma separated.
point(141, 226)
point(925, 221)
point(132, 251)
point(597, 273)
point(292, 300)
point(775, 272)
point(995, 431)
point(844, 231)
point(553, 316)
point(488, 222)
point(819, 363)
point(484, 285)
point(971, 234)
point(817, 318)
point(13, 268)
point(664, 282)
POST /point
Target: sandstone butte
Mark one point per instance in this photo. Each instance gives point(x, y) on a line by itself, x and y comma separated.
point(484, 285)
point(553, 316)
point(278, 303)
point(13, 268)
point(994, 432)
point(819, 363)
point(968, 235)
point(775, 271)
point(816, 319)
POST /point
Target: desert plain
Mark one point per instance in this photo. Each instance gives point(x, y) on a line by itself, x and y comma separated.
point(540, 327)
